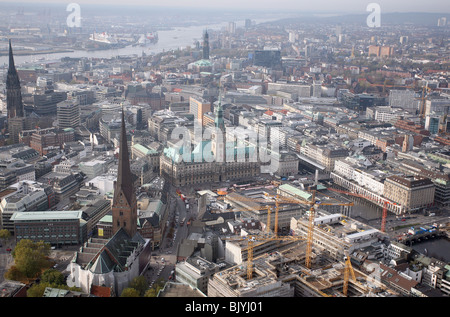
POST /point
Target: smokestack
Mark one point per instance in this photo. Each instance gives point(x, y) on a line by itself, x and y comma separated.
point(316, 180)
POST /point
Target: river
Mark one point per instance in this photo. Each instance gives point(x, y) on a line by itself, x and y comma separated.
point(438, 248)
point(176, 38)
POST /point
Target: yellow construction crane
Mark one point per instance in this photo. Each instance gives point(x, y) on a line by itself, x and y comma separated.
point(273, 199)
point(311, 216)
point(277, 199)
point(423, 98)
point(252, 239)
point(347, 271)
point(268, 208)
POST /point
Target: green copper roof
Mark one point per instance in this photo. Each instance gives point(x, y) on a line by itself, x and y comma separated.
point(144, 149)
point(203, 63)
point(295, 191)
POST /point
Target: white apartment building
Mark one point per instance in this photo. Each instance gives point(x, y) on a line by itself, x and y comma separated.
point(65, 167)
point(360, 181)
point(385, 113)
point(325, 155)
point(299, 90)
point(105, 183)
point(196, 271)
point(93, 168)
point(23, 171)
point(20, 201)
point(369, 179)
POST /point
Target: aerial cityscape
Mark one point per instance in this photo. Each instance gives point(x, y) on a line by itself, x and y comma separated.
point(225, 149)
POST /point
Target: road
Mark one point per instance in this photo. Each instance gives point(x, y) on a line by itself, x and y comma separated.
point(413, 220)
point(163, 260)
point(6, 260)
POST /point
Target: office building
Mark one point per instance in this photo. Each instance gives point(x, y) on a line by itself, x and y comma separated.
point(413, 192)
point(198, 107)
point(403, 99)
point(54, 227)
point(68, 114)
point(267, 58)
point(381, 51)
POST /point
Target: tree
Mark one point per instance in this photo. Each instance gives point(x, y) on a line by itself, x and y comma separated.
point(129, 292)
point(140, 284)
point(31, 257)
point(38, 289)
point(14, 274)
point(53, 277)
point(153, 292)
point(5, 234)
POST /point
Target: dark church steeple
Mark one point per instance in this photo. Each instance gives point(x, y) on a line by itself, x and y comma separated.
point(124, 208)
point(14, 103)
point(205, 45)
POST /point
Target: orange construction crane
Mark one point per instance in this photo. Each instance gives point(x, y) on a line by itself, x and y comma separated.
point(385, 203)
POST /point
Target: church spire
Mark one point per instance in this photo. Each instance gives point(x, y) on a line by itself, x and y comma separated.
point(124, 208)
point(205, 45)
point(124, 181)
point(11, 57)
point(218, 120)
point(13, 93)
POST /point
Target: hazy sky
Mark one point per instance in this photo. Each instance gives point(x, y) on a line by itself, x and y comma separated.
point(337, 6)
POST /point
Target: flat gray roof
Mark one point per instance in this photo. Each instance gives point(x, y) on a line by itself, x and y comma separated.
point(46, 215)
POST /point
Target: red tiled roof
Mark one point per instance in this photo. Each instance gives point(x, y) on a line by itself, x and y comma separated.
point(100, 291)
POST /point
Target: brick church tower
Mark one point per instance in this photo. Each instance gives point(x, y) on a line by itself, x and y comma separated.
point(124, 208)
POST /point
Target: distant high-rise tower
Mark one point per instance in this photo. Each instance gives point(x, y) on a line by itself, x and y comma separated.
point(124, 208)
point(13, 94)
point(206, 45)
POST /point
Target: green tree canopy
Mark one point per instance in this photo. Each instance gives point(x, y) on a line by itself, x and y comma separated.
point(140, 284)
point(53, 277)
point(129, 292)
point(5, 234)
point(38, 289)
point(153, 292)
point(31, 257)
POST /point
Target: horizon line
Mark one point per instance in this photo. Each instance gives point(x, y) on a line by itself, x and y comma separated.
point(301, 11)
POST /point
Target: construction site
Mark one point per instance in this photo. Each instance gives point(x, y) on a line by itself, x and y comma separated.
point(317, 258)
point(284, 274)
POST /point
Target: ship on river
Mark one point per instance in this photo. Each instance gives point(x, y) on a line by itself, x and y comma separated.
point(103, 37)
point(147, 39)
